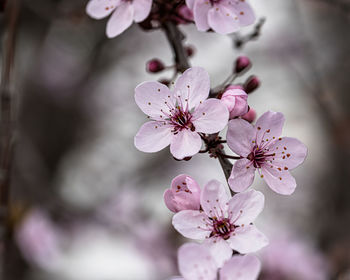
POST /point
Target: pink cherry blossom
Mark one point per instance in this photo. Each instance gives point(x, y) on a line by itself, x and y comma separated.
point(39, 239)
point(124, 12)
point(196, 263)
point(289, 257)
point(223, 16)
point(236, 101)
point(178, 116)
point(184, 194)
point(262, 148)
point(225, 222)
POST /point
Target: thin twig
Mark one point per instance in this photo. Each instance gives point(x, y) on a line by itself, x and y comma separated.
point(241, 40)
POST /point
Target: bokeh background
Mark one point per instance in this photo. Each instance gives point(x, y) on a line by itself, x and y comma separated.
point(88, 206)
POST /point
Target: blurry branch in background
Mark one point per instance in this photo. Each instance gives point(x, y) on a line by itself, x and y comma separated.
point(341, 5)
point(8, 122)
point(240, 40)
point(334, 193)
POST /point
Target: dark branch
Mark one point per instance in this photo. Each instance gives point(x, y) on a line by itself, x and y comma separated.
point(175, 38)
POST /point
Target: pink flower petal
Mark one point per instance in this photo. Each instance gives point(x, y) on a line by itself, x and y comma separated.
point(142, 9)
point(214, 199)
point(192, 224)
point(99, 9)
point(269, 126)
point(240, 137)
point(247, 239)
point(185, 180)
point(154, 99)
point(152, 137)
point(241, 268)
point(210, 117)
point(281, 182)
point(235, 100)
point(220, 250)
point(245, 207)
point(243, 11)
point(242, 175)
point(169, 199)
point(290, 152)
point(185, 143)
point(223, 20)
point(193, 86)
point(200, 13)
point(120, 20)
point(196, 262)
point(190, 4)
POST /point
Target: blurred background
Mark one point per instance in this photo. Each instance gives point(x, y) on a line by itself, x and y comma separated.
point(86, 205)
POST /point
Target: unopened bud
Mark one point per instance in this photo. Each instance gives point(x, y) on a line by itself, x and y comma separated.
point(250, 116)
point(154, 66)
point(242, 63)
point(184, 194)
point(235, 100)
point(190, 50)
point(251, 84)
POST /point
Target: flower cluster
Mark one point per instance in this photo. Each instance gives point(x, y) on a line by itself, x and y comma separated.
point(188, 115)
point(222, 16)
point(185, 118)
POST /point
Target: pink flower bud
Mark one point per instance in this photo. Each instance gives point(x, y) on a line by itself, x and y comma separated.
point(250, 116)
point(235, 100)
point(184, 194)
point(251, 84)
point(185, 13)
point(154, 66)
point(242, 63)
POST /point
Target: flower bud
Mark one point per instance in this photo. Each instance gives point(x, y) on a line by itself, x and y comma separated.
point(242, 63)
point(154, 66)
point(185, 13)
point(251, 84)
point(189, 50)
point(235, 100)
point(250, 116)
point(184, 194)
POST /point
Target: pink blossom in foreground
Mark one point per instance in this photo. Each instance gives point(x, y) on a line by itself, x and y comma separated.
point(235, 99)
point(124, 12)
point(178, 116)
point(225, 222)
point(39, 239)
point(291, 258)
point(223, 16)
point(262, 148)
point(196, 263)
point(184, 194)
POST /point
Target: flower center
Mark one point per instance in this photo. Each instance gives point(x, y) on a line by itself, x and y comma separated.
point(259, 156)
point(222, 228)
point(181, 119)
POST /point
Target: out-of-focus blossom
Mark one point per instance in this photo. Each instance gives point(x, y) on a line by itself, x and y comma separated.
point(178, 116)
point(291, 258)
point(250, 116)
point(184, 194)
point(225, 222)
point(39, 239)
point(196, 263)
point(235, 100)
point(261, 148)
point(242, 63)
point(123, 13)
point(223, 16)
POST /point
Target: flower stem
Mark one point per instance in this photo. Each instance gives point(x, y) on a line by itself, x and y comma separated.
point(175, 38)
